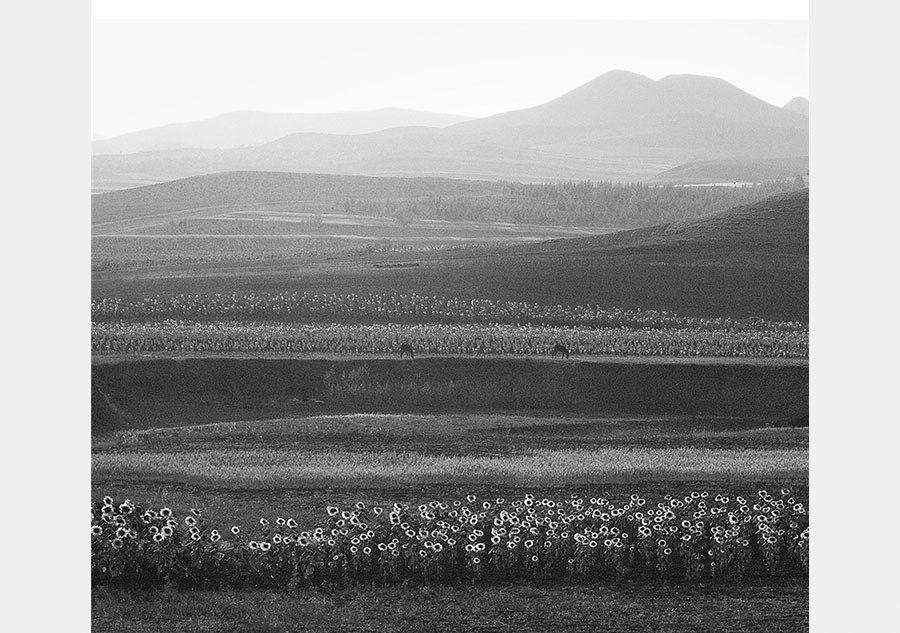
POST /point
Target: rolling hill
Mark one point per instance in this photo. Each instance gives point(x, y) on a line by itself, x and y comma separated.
point(771, 232)
point(620, 126)
point(752, 260)
point(235, 129)
point(738, 170)
point(234, 189)
point(222, 195)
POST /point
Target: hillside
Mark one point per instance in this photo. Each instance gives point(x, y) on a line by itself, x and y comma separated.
point(620, 126)
point(620, 103)
point(752, 260)
point(774, 231)
point(253, 128)
point(738, 170)
point(255, 188)
point(586, 204)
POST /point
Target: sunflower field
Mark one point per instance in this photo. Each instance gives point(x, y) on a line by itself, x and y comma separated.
point(292, 307)
point(443, 339)
point(695, 536)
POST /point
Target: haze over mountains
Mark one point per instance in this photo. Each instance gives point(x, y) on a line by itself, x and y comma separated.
point(620, 126)
point(235, 129)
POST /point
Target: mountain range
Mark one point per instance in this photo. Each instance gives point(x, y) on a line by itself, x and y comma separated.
point(236, 129)
point(621, 126)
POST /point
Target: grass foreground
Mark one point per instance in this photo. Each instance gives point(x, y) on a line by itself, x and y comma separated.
point(748, 606)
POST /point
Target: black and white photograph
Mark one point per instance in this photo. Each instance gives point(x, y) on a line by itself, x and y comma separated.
point(483, 325)
point(492, 318)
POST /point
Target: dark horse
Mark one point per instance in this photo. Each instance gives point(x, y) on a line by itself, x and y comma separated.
point(408, 350)
point(562, 350)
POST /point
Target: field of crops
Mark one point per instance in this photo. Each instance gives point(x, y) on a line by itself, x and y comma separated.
point(411, 308)
point(292, 338)
point(582, 507)
point(560, 526)
point(279, 468)
point(482, 434)
point(379, 323)
point(484, 540)
point(118, 252)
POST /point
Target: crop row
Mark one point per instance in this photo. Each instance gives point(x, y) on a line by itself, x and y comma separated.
point(694, 536)
point(298, 468)
point(296, 338)
point(411, 308)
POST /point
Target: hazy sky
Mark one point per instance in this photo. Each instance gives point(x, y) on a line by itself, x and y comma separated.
point(153, 72)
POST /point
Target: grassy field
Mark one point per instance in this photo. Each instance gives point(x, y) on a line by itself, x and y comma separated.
point(749, 262)
point(178, 391)
point(300, 238)
point(746, 606)
point(124, 252)
point(465, 433)
point(159, 464)
point(341, 469)
point(240, 471)
point(258, 434)
point(254, 194)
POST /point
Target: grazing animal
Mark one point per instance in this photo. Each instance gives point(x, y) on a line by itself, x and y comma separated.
point(562, 350)
point(407, 349)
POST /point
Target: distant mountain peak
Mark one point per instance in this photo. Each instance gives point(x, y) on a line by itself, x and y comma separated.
point(621, 75)
point(687, 79)
point(253, 127)
point(692, 77)
point(620, 126)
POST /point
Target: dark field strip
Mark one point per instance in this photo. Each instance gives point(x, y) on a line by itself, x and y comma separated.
point(748, 606)
point(168, 392)
point(449, 434)
point(713, 286)
point(224, 507)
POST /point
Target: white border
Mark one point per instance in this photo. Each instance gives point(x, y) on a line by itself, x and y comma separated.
point(46, 315)
point(460, 9)
point(854, 235)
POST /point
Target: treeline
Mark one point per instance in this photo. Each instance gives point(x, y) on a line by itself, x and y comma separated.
point(584, 203)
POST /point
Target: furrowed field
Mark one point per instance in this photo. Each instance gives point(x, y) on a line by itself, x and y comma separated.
point(292, 323)
point(275, 451)
point(283, 338)
point(306, 511)
point(286, 469)
point(409, 308)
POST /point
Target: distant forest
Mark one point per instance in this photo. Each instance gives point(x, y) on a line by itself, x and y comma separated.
point(582, 203)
